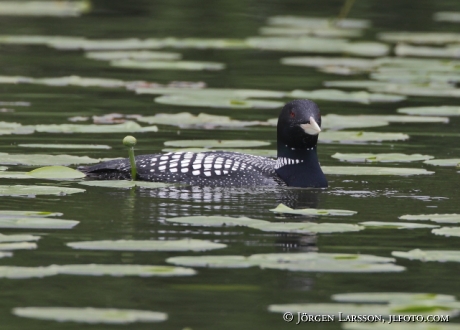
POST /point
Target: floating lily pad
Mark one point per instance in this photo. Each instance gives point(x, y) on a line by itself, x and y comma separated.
point(138, 55)
point(14, 272)
point(355, 137)
point(17, 246)
point(255, 152)
point(126, 127)
point(444, 162)
point(90, 315)
point(327, 32)
point(332, 309)
point(3, 168)
point(64, 146)
point(216, 143)
point(298, 44)
point(383, 158)
point(429, 255)
point(26, 214)
point(225, 93)
point(417, 90)
point(168, 65)
point(37, 223)
point(56, 172)
point(212, 261)
point(19, 190)
point(372, 49)
point(18, 238)
point(44, 8)
point(43, 159)
point(450, 51)
point(307, 227)
point(447, 16)
point(388, 297)
point(435, 38)
point(355, 63)
point(447, 231)
point(444, 110)
point(440, 218)
point(152, 245)
point(395, 225)
point(373, 170)
point(217, 221)
point(15, 175)
point(318, 22)
point(5, 254)
point(125, 270)
point(124, 184)
point(197, 101)
point(338, 95)
point(281, 208)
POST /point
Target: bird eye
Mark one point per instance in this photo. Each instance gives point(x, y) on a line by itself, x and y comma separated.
point(292, 114)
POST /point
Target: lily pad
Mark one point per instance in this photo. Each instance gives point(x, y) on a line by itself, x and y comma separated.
point(440, 218)
point(327, 32)
point(373, 170)
point(126, 127)
point(227, 103)
point(125, 184)
point(395, 225)
point(44, 8)
point(338, 95)
point(138, 55)
point(224, 93)
point(90, 315)
point(125, 270)
point(307, 227)
point(281, 208)
point(447, 16)
point(357, 137)
point(64, 146)
point(18, 238)
point(3, 168)
point(450, 51)
point(447, 231)
point(298, 44)
point(167, 65)
point(15, 272)
point(435, 38)
point(217, 221)
point(43, 159)
point(372, 49)
point(382, 158)
point(19, 190)
point(212, 261)
point(216, 143)
point(443, 110)
point(56, 172)
point(14, 175)
point(332, 309)
point(148, 245)
point(17, 246)
point(255, 152)
point(26, 214)
point(361, 64)
point(444, 162)
point(429, 255)
point(388, 297)
point(37, 223)
point(318, 22)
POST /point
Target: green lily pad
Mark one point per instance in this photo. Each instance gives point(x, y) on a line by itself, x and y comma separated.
point(429, 255)
point(417, 90)
point(125, 184)
point(14, 272)
point(205, 43)
point(298, 44)
point(450, 51)
point(19, 190)
point(373, 170)
point(388, 297)
point(3, 168)
point(443, 110)
point(17, 246)
point(138, 55)
point(5, 254)
point(355, 136)
point(216, 143)
point(255, 152)
point(167, 65)
point(383, 158)
point(435, 38)
point(44, 8)
point(227, 103)
point(64, 81)
point(43, 159)
point(281, 208)
point(332, 309)
point(126, 127)
point(444, 162)
point(124, 270)
point(372, 49)
point(307, 227)
point(447, 231)
point(447, 16)
point(90, 315)
point(64, 146)
point(440, 218)
point(338, 95)
point(217, 221)
point(26, 214)
point(56, 172)
point(152, 245)
point(395, 225)
point(327, 32)
point(18, 238)
point(211, 93)
point(36, 223)
point(318, 22)
point(212, 261)
point(15, 175)
point(360, 64)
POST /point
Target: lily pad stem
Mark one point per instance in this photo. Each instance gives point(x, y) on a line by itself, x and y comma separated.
point(130, 142)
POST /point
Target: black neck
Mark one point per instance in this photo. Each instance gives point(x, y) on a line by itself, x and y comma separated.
point(305, 173)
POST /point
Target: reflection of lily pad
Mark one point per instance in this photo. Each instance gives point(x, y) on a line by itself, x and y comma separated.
point(387, 297)
point(43, 159)
point(281, 208)
point(56, 172)
point(124, 270)
point(444, 162)
point(338, 95)
point(373, 170)
point(383, 158)
point(124, 184)
point(152, 245)
point(395, 225)
point(19, 190)
point(443, 110)
point(64, 146)
point(89, 314)
point(37, 223)
point(429, 255)
point(217, 102)
point(447, 231)
point(167, 65)
point(440, 218)
point(216, 143)
point(354, 136)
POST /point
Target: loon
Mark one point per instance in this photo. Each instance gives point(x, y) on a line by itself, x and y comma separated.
point(296, 166)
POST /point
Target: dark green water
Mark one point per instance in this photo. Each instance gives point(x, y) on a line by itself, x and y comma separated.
point(216, 298)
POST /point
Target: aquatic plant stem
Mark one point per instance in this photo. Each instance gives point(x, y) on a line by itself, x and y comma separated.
point(130, 142)
point(345, 9)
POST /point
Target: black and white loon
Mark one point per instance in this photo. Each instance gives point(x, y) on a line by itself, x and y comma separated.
point(296, 166)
